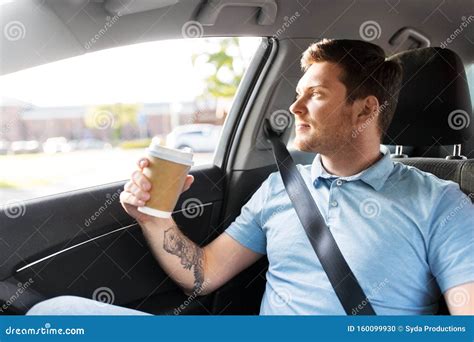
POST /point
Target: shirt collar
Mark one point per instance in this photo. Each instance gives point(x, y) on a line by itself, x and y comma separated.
point(375, 175)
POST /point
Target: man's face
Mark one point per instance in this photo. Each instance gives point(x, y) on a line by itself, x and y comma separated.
point(322, 117)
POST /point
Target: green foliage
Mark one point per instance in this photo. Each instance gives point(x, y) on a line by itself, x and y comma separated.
point(223, 61)
point(114, 116)
point(137, 143)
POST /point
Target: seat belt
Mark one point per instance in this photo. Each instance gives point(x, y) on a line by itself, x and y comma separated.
point(343, 281)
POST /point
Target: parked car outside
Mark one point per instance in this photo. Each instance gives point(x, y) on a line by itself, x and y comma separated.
point(197, 137)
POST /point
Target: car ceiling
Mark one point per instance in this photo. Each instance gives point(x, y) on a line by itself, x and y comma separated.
point(50, 30)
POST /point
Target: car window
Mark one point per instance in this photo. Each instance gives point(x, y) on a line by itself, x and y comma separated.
point(86, 120)
point(470, 80)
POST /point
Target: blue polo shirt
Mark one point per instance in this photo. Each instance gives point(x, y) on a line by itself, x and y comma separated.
point(407, 235)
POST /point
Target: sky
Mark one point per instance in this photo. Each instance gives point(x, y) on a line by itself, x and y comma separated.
point(142, 73)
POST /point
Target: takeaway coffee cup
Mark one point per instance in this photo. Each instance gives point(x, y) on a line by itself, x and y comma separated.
point(167, 171)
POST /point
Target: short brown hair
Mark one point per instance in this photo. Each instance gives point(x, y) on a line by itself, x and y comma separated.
point(365, 72)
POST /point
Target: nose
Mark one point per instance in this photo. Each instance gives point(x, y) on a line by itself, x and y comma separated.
point(298, 107)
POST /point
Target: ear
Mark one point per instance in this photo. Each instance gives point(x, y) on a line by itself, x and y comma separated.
point(365, 110)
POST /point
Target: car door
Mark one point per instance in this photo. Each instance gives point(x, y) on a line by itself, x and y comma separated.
point(82, 243)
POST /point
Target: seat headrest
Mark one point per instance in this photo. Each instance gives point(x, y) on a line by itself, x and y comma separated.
point(434, 105)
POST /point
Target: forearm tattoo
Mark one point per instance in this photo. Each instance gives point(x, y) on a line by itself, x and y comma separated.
point(191, 255)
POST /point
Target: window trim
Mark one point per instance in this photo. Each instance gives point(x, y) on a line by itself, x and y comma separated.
point(243, 101)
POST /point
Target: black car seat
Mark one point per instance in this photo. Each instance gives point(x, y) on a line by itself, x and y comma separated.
point(434, 109)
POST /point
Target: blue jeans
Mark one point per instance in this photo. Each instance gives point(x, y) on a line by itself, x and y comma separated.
point(72, 305)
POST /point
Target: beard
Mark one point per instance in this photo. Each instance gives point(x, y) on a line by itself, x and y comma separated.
point(307, 141)
point(327, 140)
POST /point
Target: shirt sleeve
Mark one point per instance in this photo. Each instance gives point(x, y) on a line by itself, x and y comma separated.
point(247, 227)
point(451, 243)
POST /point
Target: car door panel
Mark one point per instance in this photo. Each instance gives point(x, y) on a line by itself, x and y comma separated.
point(57, 244)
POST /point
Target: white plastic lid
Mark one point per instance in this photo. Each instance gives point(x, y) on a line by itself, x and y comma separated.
point(184, 156)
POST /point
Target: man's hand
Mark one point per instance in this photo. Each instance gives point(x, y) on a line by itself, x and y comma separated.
point(137, 192)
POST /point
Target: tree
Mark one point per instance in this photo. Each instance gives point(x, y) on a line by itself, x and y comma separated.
point(227, 62)
point(114, 116)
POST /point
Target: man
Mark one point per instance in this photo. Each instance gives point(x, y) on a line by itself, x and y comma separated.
point(393, 223)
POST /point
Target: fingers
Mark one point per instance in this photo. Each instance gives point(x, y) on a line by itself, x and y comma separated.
point(140, 179)
point(129, 198)
point(138, 192)
point(188, 182)
point(142, 163)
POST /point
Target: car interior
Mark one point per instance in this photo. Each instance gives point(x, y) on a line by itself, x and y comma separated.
point(50, 244)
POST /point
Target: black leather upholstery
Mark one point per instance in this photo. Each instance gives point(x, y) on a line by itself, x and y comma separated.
point(467, 178)
point(459, 171)
point(434, 108)
point(434, 104)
